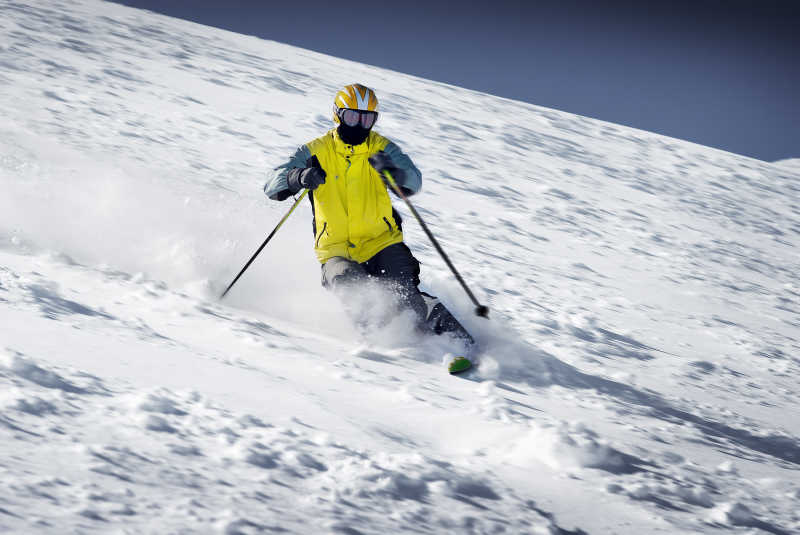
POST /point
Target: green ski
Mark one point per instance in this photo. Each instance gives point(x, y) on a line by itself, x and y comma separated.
point(459, 365)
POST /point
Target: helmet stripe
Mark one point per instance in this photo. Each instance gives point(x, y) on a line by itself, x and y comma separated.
point(363, 100)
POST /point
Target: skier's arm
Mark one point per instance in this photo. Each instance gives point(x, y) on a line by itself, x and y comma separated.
point(277, 187)
point(409, 178)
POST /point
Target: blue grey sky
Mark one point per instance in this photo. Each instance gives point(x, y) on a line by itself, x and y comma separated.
point(719, 73)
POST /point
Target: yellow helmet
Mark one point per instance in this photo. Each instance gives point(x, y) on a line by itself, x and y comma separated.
point(354, 97)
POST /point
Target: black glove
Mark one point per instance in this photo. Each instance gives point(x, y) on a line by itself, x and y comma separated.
point(308, 177)
point(312, 177)
point(381, 162)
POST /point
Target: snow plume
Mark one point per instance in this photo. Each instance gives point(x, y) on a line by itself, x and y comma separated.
point(368, 305)
point(93, 212)
point(98, 213)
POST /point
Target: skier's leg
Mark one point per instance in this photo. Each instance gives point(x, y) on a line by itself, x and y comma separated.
point(440, 320)
point(343, 277)
point(397, 264)
point(397, 268)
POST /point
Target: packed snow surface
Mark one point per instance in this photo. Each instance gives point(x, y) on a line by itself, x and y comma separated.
point(639, 373)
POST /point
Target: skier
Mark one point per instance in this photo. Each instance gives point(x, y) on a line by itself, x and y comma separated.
point(357, 233)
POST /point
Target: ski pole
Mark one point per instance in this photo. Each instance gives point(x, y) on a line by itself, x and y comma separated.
point(271, 234)
point(480, 310)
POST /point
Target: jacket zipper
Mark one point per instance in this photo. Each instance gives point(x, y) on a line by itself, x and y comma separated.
point(389, 224)
point(321, 232)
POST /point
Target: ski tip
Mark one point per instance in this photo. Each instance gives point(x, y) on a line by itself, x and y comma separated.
point(459, 365)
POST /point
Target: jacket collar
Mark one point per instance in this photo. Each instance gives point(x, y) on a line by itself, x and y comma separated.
point(343, 148)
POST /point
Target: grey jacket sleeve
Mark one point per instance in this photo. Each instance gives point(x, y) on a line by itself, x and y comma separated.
point(411, 181)
point(277, 187)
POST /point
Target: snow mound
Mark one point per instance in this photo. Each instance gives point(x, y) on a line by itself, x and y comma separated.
point(732, 514)
point(569, 447)
point(17, 365)
point(665, 493)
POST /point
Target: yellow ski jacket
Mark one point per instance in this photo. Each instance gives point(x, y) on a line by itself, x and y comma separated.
point(353, 215)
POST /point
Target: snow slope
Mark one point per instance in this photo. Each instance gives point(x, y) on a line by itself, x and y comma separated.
point(639, 372)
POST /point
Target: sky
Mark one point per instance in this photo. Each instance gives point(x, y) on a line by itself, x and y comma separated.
point(720, 73)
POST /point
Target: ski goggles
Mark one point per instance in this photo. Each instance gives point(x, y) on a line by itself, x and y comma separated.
point(353, 117)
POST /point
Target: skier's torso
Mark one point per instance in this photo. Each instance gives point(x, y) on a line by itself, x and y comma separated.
point(352, 210)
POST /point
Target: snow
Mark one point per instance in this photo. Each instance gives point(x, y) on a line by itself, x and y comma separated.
point(638, 373)
point(791, 164)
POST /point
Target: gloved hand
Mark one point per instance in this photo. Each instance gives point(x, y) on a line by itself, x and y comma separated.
point(381, 162)
point(308, 177)
point(312, 177)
